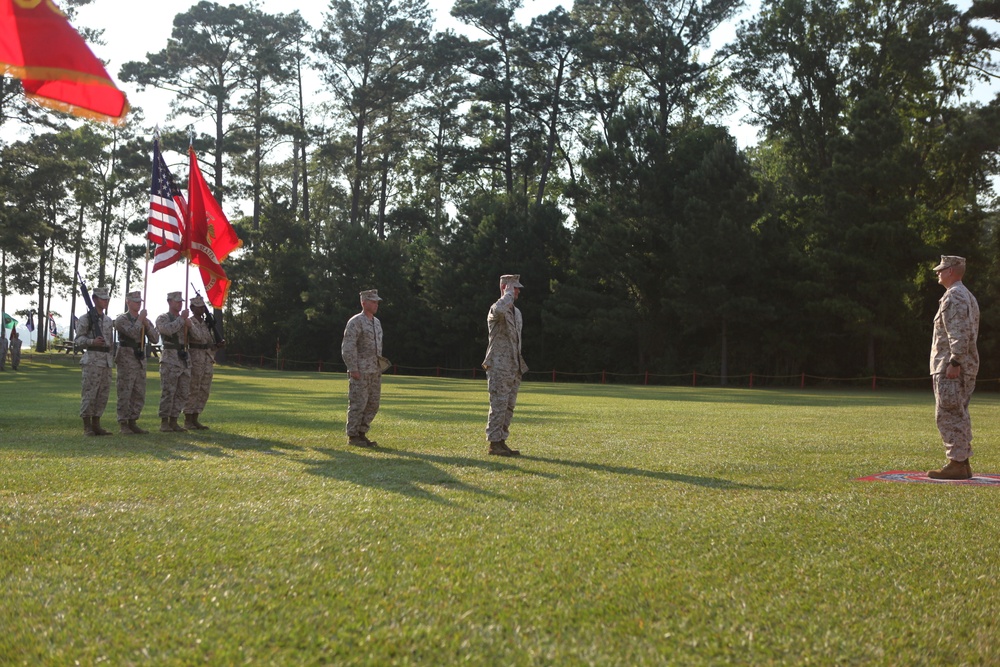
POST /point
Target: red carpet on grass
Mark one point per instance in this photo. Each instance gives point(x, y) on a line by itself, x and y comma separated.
point(978, 479)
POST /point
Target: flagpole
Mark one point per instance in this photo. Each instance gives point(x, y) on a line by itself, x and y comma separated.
point(187, 241)
point(145, 292)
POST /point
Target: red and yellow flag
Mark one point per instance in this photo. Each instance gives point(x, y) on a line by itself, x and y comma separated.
point(209, 238)
point(56, 67)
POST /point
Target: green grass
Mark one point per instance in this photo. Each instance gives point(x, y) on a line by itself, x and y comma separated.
point(642, 526)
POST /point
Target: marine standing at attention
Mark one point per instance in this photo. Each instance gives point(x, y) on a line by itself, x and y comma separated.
point(132, 327)
point(504, 364)
point(175, 371)
point(94, 333)
point(954, 367)
point(362, 350)
point(202, 346)
point(15, 350)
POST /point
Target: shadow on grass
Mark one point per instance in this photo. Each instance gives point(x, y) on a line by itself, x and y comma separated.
point(164, 446)
point(709, 482)
point(407, 475)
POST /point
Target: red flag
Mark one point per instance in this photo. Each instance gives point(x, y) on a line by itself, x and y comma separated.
point(55, 65)
point(167, 214)
point(209, 238)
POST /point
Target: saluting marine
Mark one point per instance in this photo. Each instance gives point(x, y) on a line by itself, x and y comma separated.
point(504, 364)
point(94, 333)
point(133, 328)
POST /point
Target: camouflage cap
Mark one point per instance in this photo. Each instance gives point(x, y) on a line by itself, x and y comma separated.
point(950, 261)
point(198, 301)
point(102, 293)
point(174, 296)
point(512, 279)
point(370, 295)
point(135, 297)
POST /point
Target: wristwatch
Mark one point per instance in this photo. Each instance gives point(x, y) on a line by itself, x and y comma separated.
point(954, 363)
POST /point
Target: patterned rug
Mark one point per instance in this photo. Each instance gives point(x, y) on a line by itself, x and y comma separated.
point(978, 479)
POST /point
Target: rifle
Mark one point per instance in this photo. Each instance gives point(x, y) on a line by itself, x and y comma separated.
point(95, 320)
point(210, 321)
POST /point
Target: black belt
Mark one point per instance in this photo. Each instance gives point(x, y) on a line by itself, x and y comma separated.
point(171, 346)
point(128, 343)
point(199, 346)
point(95, 348)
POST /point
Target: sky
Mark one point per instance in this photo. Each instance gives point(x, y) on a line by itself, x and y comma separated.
point(133, 28)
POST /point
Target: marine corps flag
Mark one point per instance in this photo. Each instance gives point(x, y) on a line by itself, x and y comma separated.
point(209, 238)
point(56, 67)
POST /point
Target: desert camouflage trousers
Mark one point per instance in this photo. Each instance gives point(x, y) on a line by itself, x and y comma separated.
point(363, 398)
point(951, 411)
point(95, 389)
point(175, 383)
point(503, 386)
point(131, 387)
point(202, 372)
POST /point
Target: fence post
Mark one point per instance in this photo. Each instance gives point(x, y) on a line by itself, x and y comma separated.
point(873, 381)
point(694, 378)
point(604, 379)
point(802, 382)
point(751, 380)
point(646, 379)
point(553, 375)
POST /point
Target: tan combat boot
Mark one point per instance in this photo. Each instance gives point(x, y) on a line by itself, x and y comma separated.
point(953, 470)
point(96, 421)
point(123, 427)
point(499, 449)
point(174, 426)
point(165, 426)
point(358, 441)
point(513, 452)
point(88, 428)
point(197, 424)
point(189, 420)
point(135, 427)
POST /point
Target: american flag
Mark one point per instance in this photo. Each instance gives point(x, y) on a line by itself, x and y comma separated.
point(167, 214)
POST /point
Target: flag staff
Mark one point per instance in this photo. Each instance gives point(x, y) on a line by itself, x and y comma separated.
point(187, 241)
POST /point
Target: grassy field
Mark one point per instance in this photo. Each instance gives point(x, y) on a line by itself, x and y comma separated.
point(642, 526)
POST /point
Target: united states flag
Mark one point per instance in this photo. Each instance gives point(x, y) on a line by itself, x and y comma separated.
point(167, 214)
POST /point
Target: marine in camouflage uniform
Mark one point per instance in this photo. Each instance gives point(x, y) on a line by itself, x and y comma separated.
point(504, 364)
point(94, 333)
point(132, 328)
point(202, 346)
point(175, 371)
point(954, 364)
point(15, 350)
point(361, 349)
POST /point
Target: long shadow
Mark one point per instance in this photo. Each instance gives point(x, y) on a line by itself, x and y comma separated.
point(709, 482)
point(405, 477)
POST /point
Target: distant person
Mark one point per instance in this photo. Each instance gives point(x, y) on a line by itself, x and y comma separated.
point(133, 328)
point(175, 368)
point(504, 364)
point(15, 350)
point(3, 347)
point(362, 353)
point(202, 346)
point(954, 366)
point(95, 333)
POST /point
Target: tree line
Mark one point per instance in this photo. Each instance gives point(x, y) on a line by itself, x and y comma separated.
point(581, 149)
